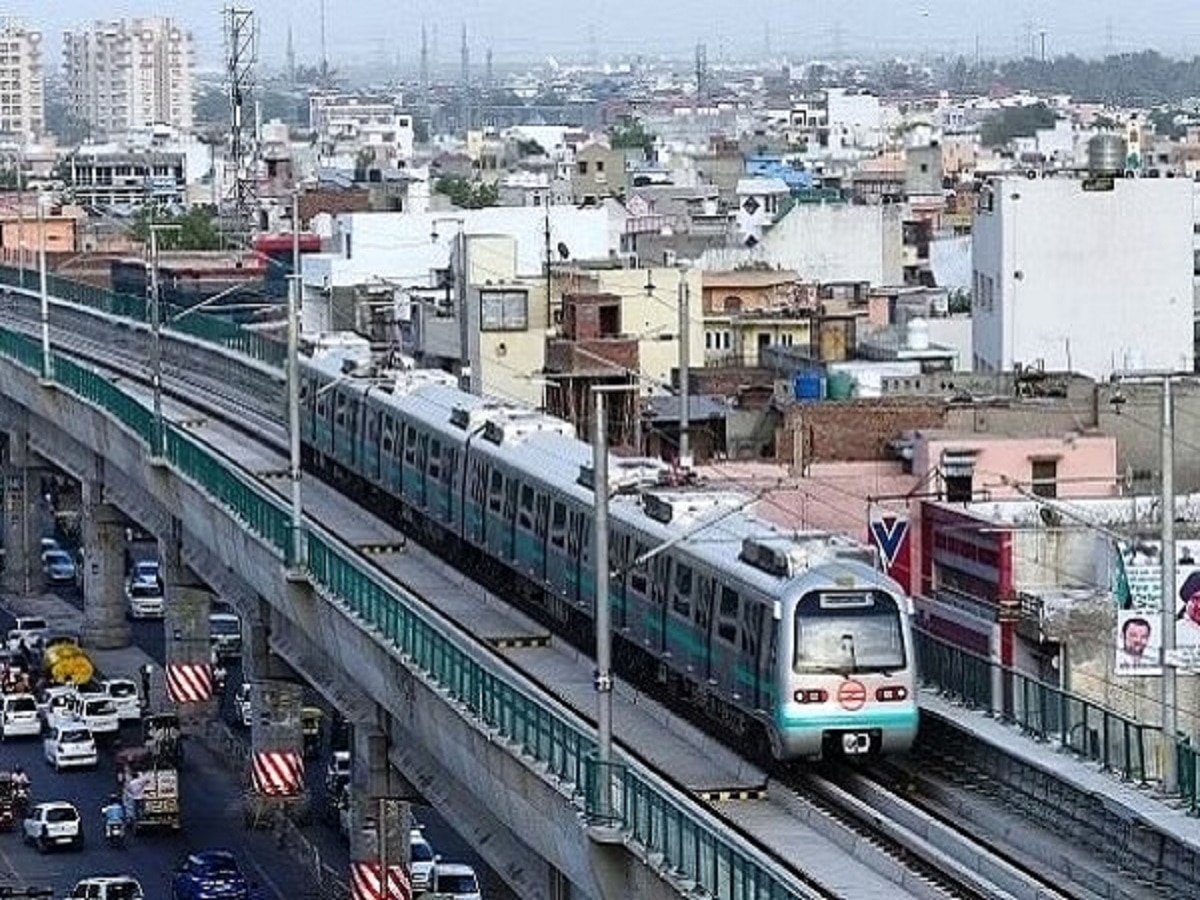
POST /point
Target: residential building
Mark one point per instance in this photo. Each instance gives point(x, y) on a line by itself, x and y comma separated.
point(106, 176)
point(22, 91)
point(129, 73)
point(746, 311)
point(356, 129)
point(599, 173)
point(1092, 275)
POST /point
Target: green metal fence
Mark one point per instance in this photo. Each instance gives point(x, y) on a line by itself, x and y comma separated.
point(1044, 711)
point(201, 325)
point(657, 819)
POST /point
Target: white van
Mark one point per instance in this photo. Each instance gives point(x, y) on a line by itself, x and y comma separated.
point(19, 716)
point(225, 634)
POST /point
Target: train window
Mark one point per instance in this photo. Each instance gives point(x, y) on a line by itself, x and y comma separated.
point(435, 459)
point(410, 445)
point(681, 600)
point(727, 617)
point(558, 524)
point(525, 515)
point(322, 405)
point(639, 581)
point(496, 491)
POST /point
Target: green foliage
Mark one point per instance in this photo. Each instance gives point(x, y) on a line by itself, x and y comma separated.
point(1016, 121)
point(631, 135)
point(197, 230)
point(468, 194)
point(530, 147)
point(959, 301)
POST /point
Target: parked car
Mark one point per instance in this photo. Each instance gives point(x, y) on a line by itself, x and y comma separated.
point(210, 875)
point(19, 716)
point(58, 567)
point(107, 887)
point(123, 692)
point(54, 824)
point(71, 745)
point(455, 880)
point(421, 860)
point(30, 629)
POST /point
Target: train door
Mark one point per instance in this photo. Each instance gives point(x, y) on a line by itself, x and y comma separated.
point(679, 612)
point(528, 553)
point(475, 499)
point(390, 463)
point(618, 576)
point(701, 638)
point(750, 677)
point(559, 562)
point(723, 657)
point(370, 443)
point(575, 529)
point(541, 530)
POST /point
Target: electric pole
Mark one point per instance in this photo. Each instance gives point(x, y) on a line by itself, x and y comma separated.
point(685, 363)
point(1167, 504)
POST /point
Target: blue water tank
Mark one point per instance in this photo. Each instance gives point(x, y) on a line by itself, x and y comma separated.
point(809, 386)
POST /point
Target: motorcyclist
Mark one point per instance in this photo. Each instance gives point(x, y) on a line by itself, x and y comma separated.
point(114, 815)
point(20, 782)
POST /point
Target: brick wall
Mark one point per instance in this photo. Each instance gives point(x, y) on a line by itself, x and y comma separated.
point(332, 202)
point(854, 430)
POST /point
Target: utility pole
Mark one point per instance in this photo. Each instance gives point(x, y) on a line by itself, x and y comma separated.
point(1167, 504)
point(685, 363)
point(158, 451)
point(293, 384)
point(21, 213)
point(1042, 36)
point(603, 623)
point(47, 358)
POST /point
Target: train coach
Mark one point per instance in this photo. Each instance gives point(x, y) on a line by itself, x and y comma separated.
point(792, 639)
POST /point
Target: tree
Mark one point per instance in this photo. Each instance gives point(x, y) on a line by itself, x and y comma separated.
point(468, 194)
point(196, 231)
point(632, 135)
point(1016, 121)
point(529, 147)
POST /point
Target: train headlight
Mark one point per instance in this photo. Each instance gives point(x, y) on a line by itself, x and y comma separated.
point(811, 695)
point(891, 693)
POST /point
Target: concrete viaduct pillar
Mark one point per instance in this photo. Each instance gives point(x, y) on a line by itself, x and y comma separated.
point(104, 624)
point(187, 601)
point(380, 817)
point(22, 525)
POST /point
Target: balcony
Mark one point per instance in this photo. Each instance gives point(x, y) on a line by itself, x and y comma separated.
point(594, 357)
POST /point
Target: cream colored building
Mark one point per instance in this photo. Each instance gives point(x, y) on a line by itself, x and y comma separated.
point(22, 89)
point(129, 73)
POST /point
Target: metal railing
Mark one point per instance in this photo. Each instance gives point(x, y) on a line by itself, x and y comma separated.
point(1045, 712)
point(201, 325)
point(664, 822)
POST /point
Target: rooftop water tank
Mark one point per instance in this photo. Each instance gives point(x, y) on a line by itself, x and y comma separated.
point(840, 386)
point(917, 337)
point(809, 386)
point(1107, 154)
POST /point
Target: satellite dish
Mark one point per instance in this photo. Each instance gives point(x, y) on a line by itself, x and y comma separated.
point(563, 251)
point(1050, 516)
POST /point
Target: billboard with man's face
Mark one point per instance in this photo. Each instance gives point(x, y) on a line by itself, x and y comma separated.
point(1137, 589)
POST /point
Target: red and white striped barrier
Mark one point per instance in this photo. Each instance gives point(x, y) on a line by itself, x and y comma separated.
point(189, 682)
point(278, 773)
point(365, 883)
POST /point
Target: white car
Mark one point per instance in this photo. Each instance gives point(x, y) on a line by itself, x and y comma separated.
point(72, 745)
point(58, 566)
point(54, 824)
point(124, 694)
point(144, 591)
point(96, 712)
point(455, 880)
point(421, 860)
point(30, 629)
point(55, 705)
point(107, 887)
point(225, 634)
point(337, 772)
point(19, 716)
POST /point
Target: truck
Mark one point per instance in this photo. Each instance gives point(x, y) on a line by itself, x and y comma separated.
point(150, 790)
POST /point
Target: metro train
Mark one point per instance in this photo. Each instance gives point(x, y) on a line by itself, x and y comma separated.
point(793, 641)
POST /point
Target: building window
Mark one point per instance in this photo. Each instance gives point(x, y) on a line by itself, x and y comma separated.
point(1045, 477)
point(503, 310)
point(581, 167)
point(599, 165)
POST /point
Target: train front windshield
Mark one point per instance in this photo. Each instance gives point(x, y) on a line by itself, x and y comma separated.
point(847, 632)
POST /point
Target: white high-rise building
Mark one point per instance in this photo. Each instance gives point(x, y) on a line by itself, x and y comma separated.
point(22, 96)
point(129, 74)
point(1093, 275)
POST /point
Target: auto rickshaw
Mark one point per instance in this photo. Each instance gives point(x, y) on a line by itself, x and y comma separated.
point(310, 726)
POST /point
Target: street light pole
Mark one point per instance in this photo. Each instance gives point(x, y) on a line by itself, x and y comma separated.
point(685, 364)
point(21, 213)
point(1167, 503)
point(603, 623)
point(44, 295)
point(159, 449)
point(293, 383)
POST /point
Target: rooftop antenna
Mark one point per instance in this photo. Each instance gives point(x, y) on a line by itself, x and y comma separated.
point(291, 58)
point(465, 55)
point(424, 64)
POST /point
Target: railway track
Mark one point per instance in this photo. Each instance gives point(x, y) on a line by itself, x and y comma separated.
point(923, 855)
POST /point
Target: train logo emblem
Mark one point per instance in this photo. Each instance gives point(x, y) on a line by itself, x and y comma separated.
point(852, 695)
point(888, 534)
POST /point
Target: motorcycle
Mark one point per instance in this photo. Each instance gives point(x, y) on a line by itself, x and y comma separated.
point(114, 832)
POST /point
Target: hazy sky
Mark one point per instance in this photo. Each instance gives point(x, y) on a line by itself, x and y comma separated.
point(520, 30)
